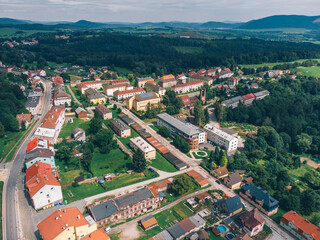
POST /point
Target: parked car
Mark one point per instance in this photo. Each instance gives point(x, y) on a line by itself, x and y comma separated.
point(151, 169)
point(244, 204)
point(218, 181)
point(155, 175)
point(108, 229)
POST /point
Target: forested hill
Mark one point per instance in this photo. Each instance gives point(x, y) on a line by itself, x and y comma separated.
point(146, 55)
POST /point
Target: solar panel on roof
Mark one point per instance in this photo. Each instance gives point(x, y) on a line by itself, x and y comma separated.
point(145, 95)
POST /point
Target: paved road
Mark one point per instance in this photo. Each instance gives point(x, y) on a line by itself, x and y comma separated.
point(15, 180)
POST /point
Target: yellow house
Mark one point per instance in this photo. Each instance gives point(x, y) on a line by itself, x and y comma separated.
point(95, 97)
point(66, 223)
point(140, 102)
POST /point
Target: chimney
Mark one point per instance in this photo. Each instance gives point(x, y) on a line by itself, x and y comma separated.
point(57, 217)
point(60, 216)
point(78, 216)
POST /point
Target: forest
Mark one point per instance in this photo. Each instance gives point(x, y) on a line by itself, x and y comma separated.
point(156, 54)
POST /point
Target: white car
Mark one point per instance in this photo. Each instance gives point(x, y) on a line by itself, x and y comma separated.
point(108, 229)
point(244, 204)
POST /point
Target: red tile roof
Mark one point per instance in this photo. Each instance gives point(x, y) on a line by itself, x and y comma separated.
point(23, 117)
point(211, 70)
point(135, 90)
point(248, 96)
point(86, 84)
point(167, 76)
point(51, 118)
point(198, 177)
point(188, 84)
point(120, 81)
point(99, 234)
point(37, 168)
point(36, 183)
point(32, 145)
point(57, 80)
point(56, 223)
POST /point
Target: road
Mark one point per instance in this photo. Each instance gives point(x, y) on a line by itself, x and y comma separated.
point(14, 182)
point(74, 97)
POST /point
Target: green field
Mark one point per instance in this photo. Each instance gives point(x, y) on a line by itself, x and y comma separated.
point(270, 65)
point(190, 50)
point(309, 71)
point(162, 164)
point(15, 32)
point(69, 127)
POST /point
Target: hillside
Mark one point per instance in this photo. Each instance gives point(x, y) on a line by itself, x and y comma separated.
point(284, 21)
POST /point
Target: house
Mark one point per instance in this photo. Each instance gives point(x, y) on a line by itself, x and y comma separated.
point(68, 223)
point(182, 78)
point(221, 138)
point(123, 207)
point(61, 98)
point(120, 81)
point(42, 155)
point(168, 81)
point(202, 197)
point(51, 125)
point(187, 87)
point(225, 73)
point(81, 113)
point(122, 129)
point(44, 190)
point(211, 72)
point(230, 206)
point(26, 118)
point(139, 143)
point(78, 134)
point(262, 94)
point(248, 99)
point(110, 89)
point(119, 95)
point(90, 84)
point(254, 85)
point(192, 134)
point(99, 234)
point(232, 82)
point(126, 119)
point(252, 222)
point(94, 96)
point(33, 102)
point(192, 202)
point(299, 227)
point(142, 101)
point(36, 169)
point(233, 181)
point(259, 198)
point(104, 112)
point(143, 81)
point(156, 88)
point(37, 143)
point(204, 79)
point(57, 80)
point(163, 185)
point(220, 172)
point(232, 102)
point(148, 222)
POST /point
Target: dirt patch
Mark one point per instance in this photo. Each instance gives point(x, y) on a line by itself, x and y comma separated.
point(130, 231)
point(309, 162)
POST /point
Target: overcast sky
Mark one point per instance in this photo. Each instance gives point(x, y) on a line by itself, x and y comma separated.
point(154, 10)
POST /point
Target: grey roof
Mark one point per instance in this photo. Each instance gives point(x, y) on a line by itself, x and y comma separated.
point(233, 204)
point(176, 231)
point(145, 79)
point(232, 100)
point(104, 210)
point(164, 235)
point(262, 93)
point(93, 94)
point(257, 193)
point(126, 119)
point(119, 124)
point(153, 87)
point(197, 220)
point(134, 197)
point(174, 160)
point(76, 130)
point(234, 178)
point(79, 110)
point(32, 101)
point(39, 152)
point(186, 128)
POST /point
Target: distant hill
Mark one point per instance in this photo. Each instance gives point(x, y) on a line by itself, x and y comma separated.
point(13, 21)
point(213, 24)
point(85, 23)
point(283, 21)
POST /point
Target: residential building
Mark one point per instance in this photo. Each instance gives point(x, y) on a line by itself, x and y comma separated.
point(188, 87)
point(262, 94)
point(123, 207)
point(104, 112)
point(248, 99)
point(225, 73)
point(192, 134)
point(230, 206)
point(37, 143)
point(202, 197)
point(232, 102)
point(182, 78)
point(220, 172)
point(221, 138)
point(156, 88)
point(148, 223)
point(99, 234)
point(211, 72)
point(33, 102)
point(61, 98)
point(232, 82)
point(233, 181)
point(36, 169)
point(254, 85)
point(51, 125)
point(259, 198)
point(204, 79)
point(142, 101)
point(145, 147)
point(68, 223)
point(110, 89)
point(168, 81)
point(122, 129)
point(299, 227)
point(81, 113)
point(198, 178)
point(252, 222)
point(143, 81)
point(44, 190)
point(42, 155)
point(90, 84)
point(120, 81)
point(26, 118)
point(57, 80)
point(119, 95)
point(94, 96)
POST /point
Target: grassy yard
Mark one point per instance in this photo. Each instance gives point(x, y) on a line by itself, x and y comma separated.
point(241, 128)
point(276, 217)
point(126, 141)
point(309, 71)
point(123, 71)
point(67, 177)
point(69, 127)
point(162, 164)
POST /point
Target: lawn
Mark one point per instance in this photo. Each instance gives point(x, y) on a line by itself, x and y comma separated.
point(309, 71)
point(67, 177)
point(154, 128)
point(1, 189)
point(270, 65)
point(202, 154)
point(276, 217)
point(162, 164)
point(69, 127)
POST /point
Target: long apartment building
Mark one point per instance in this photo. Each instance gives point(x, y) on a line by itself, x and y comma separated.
point(140, 102)
point(90, 84)
point(51, 125)
point(33, 102)
point(192, 134)
point(122, 129)
point(119, 95)
point(110, 89)
point(221, 138)
point(139, 143)
point(188, 87)
point(123, 207)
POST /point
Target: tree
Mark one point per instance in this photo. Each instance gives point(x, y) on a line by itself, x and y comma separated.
point(182, 184)
point(95, 125)
point(87, 157)
point(206, 116)
point(119, 110)
point(220, 112)
point(223, 160)
point(303, 143)
point(104, 140)
point(63, 154)
point(114, 107)
point(164, 132)
point(139, 161)
point(217, 154)
point(198, 113)
point(23, 125)
point(1, 130)
point(181, 144)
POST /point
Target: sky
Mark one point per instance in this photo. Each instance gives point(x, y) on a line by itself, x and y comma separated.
point(154, 10)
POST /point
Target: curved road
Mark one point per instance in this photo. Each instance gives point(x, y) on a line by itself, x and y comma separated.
point(14, 183)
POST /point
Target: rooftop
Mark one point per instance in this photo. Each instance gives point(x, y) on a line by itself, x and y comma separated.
point(36, 183)
point(103, 109)
point(145, 79)
point(143, 145)
point(37, 168)
point(50, 120)
point(146, 96)
point(135, 90)
point(88, 83)
point(198, 82)
point(218, 132)
point(119, 124)
point(99, 234)
point(38, 152)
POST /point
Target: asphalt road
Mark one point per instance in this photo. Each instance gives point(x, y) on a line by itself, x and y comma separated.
point(15, 181)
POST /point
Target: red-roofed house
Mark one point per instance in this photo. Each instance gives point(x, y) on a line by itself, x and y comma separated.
point(248, 99)
point(232, 82)
point(211, 72)
point(168, 81)
point(300, 227)
point(26, 118)
point(187, 87)
point(198, 178)
point(37, 168)
point(252, 222)
point(96, 85)
point(37, 143)
point(57, 80)
point(99, 234)
point(120, 81)
point(119, 95)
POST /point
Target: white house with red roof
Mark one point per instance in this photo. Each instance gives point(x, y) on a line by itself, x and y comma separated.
point(187, 87)
point(51, 125)
point(119, 95)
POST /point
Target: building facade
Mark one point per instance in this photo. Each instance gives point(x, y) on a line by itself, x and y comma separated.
point(139, 143)
point(119, 95)
point(122, 129)
point(90, 84)
point(104, 112)
point(110, 89)
point(188, 87)
point(142, 101)
point(221, 138)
